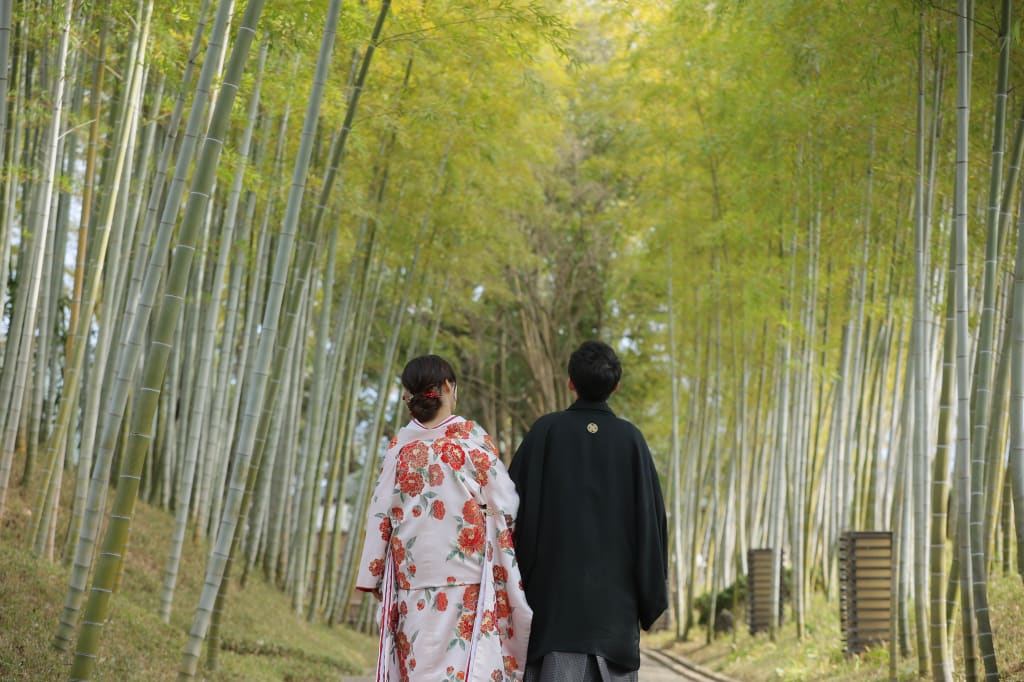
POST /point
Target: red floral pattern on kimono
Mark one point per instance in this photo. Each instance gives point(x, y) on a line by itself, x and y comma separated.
point(439, 550)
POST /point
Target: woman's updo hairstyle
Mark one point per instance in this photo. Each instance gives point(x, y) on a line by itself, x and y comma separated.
point(423, 379)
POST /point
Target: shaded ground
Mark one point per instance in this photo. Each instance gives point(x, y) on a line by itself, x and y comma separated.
point(650, 671)
point(263, 638)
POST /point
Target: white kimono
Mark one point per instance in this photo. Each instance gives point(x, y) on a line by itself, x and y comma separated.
point(439, 550)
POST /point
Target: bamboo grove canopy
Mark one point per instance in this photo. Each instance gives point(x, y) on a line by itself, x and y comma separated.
point(225, 226)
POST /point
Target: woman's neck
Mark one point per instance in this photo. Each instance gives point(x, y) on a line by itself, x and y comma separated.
point(442, 415)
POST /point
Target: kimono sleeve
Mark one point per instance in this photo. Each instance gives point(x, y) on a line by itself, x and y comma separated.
point(652, 540)
point(378, 527)
point(498, 492)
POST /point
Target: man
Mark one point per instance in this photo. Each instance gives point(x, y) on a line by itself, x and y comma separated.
point(591, 536)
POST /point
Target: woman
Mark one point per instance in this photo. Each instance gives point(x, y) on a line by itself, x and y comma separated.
point(438, 548)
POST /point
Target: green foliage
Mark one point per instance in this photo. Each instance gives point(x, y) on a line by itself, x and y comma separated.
point(733, 598)
point(738, 591)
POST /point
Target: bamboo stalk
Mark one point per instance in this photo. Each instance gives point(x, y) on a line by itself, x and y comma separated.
point(168, 319)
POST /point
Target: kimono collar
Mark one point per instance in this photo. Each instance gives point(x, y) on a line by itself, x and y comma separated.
point(597, 405)
point(446, 422)
point(415, 431)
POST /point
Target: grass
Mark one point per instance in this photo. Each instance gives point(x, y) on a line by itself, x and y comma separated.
point(263, 639)
point(820, 655)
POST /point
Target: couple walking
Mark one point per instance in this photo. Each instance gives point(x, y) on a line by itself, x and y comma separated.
point(545, 572)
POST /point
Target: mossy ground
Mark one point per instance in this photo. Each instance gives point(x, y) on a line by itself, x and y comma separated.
point(263, 638)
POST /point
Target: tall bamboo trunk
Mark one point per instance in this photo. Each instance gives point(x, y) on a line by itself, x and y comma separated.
point(312, 445)
point(6, 218)
point(963, 415)
point(981, 386)
point(256, 384)
point(344, 390)
point(5, 51)
point(715, 557)
point(676, 461)
point(16, 366)
point(212, 486)
point(798, 454)
point(137, 323)
point(1016, 461)
point(206, 350)
point(85, 452)
point(316, 442)
point(168, 319)
point(778, 495)
point(48, 499)
point(922, 384)
point(997, 440)
point(941, 658)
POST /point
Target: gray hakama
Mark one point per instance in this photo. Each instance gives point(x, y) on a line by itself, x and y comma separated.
point(563, 666)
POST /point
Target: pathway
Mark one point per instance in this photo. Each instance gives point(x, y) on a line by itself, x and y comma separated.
point(656, 667)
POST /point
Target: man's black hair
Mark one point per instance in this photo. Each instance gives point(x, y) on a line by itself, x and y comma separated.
point(595, 371)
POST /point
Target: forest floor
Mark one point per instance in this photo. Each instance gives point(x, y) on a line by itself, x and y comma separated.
point(819, 656)
point(265, 640)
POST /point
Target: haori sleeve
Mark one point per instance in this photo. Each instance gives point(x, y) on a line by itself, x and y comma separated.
point(525, 472)
point(518, 468)
point(378, 527)
point(651, 539)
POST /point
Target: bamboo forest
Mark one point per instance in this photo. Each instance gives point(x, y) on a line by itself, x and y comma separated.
point(226, 225)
